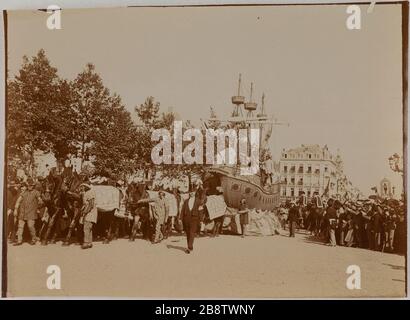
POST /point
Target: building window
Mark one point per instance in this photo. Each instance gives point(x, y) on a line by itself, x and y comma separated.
point(286, 156)
point(325, 169)
point(292, 192)
point(310, 156)
point(292, 180)
point(285, 169)
point(309, 170)
point(292, 169)
point(301, 169)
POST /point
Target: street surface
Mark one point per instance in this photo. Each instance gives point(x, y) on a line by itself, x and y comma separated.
point(222, 267)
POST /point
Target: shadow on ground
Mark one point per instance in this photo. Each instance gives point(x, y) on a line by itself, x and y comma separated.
point(169, 246)
point(394, 267)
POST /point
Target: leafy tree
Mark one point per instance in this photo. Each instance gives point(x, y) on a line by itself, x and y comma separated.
point(37, 99)
point(148, 112)
point(115, 144)
point(90, 101)
point(151, 119)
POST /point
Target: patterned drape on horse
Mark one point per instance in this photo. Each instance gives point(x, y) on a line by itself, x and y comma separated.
point(261, 223)
point(107, 198)
point(216, 206)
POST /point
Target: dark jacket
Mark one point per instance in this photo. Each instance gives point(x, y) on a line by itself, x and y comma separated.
point(11, 198)
point(331, 217)
point(377, 222)
point(190, 216)
point(202, 198)
point(293, 214)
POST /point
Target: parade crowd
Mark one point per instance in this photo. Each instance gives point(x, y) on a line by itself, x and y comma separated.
point(376, 224)
point(55, 211)
point(62, 206)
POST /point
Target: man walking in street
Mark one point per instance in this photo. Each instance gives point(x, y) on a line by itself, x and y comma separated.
point(160, 210)
point(89, 211)
point(293, 216)
point(331, 219)
point(190, 218)
point(377, 227)
point(26, 210)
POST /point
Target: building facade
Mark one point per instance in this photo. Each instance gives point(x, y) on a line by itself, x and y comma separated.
point(312, 168)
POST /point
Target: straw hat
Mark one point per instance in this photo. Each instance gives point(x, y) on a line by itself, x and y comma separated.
point(85, 185)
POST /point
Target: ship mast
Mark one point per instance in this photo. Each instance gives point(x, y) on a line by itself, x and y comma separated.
point(250, 106)
point(238, 100)
point(262, 121)
point(261, 115)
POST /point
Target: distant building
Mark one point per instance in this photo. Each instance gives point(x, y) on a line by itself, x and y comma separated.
point(313, 168)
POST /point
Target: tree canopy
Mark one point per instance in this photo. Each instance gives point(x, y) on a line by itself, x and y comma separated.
point(48, 113)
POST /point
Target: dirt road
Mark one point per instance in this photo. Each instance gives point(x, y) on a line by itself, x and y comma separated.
point(227, 266)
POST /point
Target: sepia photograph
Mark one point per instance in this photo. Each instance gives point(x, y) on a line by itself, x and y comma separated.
point(205, 152)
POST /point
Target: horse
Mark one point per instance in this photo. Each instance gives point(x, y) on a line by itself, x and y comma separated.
point(64, 203)
point(109, 202)
point(139, 211)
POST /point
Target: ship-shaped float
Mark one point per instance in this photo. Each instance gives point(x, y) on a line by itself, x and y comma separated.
point(259, 195)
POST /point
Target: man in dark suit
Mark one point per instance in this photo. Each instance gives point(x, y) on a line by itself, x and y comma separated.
point(332, 221)
point(191, 210)
point(293, 216)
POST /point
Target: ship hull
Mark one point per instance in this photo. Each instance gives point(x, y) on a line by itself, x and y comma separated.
point(237, 187)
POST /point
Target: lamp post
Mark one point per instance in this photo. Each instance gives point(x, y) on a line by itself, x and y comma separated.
point(396, 164)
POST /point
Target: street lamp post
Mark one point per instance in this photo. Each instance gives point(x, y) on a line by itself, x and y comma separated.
point(396, 164)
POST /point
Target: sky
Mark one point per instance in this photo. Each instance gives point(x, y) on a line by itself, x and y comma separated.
point(334, 86)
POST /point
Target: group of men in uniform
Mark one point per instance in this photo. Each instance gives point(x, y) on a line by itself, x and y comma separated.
point(370, 224)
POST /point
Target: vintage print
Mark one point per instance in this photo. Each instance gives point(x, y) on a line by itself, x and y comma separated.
point(206, 152)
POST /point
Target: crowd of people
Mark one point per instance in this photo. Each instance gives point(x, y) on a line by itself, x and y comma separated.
point(375, 224)
point(140, 214)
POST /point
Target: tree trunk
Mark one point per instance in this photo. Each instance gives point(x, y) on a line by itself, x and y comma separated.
point(31, 163)
point(82, 154)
